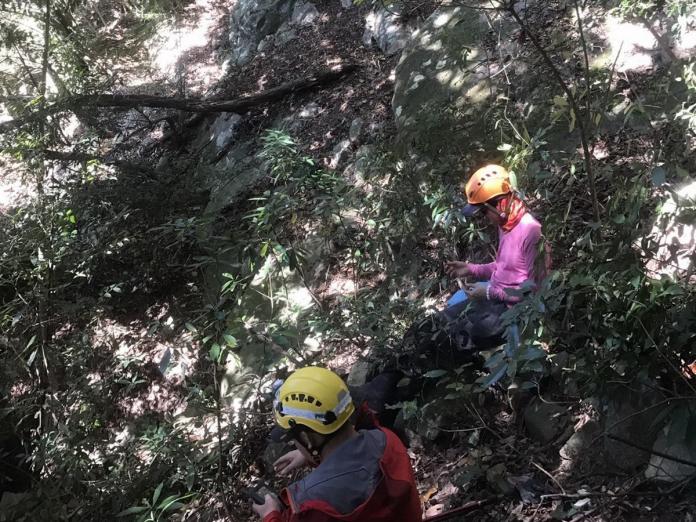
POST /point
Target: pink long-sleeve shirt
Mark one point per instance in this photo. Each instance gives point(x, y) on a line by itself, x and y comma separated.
point(515, 260)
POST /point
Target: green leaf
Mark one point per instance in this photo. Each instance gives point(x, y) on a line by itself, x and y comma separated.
point(231, 340)
point(214, 352)
point(434, 374)
point(158, 491)
point(32, 357)
point(167, 502)
point(132, 511)
point(191, 328)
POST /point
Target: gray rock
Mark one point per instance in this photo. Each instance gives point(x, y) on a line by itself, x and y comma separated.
point(229, 178)
point(285, 34)
point(266, 43)
point(310, 110)
point(666, 470)
point(355, 130)
point(466, 475)
point(436, 75)
point(578, 448)
point(359, 170)
point(580, 441)
point(224, 128)
point(359, 373)
point(384, 28)
point(346, 4)
point(305, 13)
point(673, 235)
point(627, 413)
point(252, 21)
point(676, 441)
point(340, 154)
point(545, 421)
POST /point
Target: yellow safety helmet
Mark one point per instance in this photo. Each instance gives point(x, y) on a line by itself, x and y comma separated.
point(313, 397)
point(485, 184)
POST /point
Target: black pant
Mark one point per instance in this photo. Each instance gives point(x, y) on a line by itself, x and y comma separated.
point(456, 332)
point(474, 324)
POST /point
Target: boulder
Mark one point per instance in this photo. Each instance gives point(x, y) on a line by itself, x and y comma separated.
point(355, 131)
point(304, 13)
point(439, 82)
point(359, 373)
point(578, 448)
point(628, 413)
point(340, 154)
point(449, 82)
point(545, 421)
point(252, 21)
point(224, 128)
point(259, 25)
point(384, 28)
point(677, 440)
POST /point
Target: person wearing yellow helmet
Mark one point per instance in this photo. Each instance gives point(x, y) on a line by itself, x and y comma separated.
point(478, 307)
point(360, 474)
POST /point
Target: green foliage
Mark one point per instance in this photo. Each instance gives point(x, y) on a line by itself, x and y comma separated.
point(97, 243)
point(157, 508)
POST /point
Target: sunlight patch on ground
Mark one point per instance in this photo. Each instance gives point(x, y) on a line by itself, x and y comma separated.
point(341, 285)
point(170, 47)
point(675, 234)
point(638, 47)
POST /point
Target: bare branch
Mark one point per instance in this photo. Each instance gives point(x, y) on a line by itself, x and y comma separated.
point(574, 106)
point(241, 104)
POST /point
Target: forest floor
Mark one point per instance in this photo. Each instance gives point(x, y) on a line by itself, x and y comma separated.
point(494, 437)
point(484, 456)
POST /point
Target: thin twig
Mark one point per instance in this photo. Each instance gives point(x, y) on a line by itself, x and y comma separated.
point(583, 42)
point(574, 106)
point(550, 476)
point(652, 451)
point(464, 430)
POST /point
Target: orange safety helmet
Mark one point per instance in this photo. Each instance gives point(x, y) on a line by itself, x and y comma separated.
point(485, 184)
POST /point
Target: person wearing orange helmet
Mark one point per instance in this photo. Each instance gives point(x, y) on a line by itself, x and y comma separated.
point(481, 303)
point(360, 475)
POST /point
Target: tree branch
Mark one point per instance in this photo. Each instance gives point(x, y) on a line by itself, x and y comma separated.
point(240, 104)
point(573, 103)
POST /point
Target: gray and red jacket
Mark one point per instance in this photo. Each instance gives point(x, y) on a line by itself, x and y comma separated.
point(368, 478)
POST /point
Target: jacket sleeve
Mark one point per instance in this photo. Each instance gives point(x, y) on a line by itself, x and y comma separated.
point(483, 272)
point(529, 254)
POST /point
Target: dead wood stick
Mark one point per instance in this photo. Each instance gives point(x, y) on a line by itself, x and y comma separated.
point(469, 506)
point(240, 104)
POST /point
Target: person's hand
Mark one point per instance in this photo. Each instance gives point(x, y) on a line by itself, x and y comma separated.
point(476, 290)
point(457, 268)
point(292, 460)
point(270, 505)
